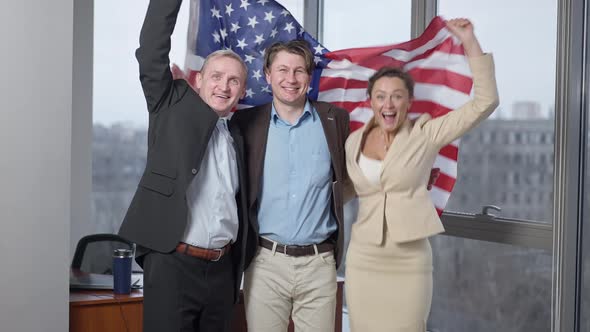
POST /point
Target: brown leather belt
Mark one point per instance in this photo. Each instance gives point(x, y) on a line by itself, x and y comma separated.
point(207, 254)
point(297, 251)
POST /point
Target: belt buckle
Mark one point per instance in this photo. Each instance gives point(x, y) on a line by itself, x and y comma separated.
point(220, 251)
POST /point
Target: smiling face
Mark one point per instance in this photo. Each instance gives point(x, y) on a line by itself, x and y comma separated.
point(221, 83)
point(288, 78)
point(390, 101)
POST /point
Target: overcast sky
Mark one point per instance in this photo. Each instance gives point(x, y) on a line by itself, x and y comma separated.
point(522, 39)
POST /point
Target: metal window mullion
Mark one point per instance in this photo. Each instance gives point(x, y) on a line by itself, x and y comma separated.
point(423, 11)
point(568, 165)
point(311, 17)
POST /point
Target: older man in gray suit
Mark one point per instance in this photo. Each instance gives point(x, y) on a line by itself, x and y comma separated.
point(188, 213)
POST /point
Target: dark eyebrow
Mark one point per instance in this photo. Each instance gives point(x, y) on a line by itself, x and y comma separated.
point(287, 67)
point(396, 90)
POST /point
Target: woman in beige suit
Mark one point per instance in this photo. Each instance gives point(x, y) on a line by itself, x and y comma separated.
point(389, 262)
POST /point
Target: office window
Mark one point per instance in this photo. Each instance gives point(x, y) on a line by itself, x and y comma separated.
point(525, 72)
point(489, 287)
point(585, 292)
point(119, 109)
point(353, 23)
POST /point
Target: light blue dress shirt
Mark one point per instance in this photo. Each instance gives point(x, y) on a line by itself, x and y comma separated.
point(295, 200)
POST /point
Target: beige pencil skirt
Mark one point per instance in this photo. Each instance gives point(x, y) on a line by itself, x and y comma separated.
point(388, 287)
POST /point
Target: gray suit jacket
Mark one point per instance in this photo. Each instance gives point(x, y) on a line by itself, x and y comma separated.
point(180, 125)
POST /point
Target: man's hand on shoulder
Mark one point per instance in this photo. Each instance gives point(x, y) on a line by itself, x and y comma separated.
point(434, 174)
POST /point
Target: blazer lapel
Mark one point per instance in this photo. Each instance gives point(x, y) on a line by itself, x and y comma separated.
point(355, 170)
point(238, 143)
point(257, 137)
point(328, 120)
point(399, 141)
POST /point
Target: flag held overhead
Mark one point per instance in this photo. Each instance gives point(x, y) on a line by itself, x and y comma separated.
point(435, 60)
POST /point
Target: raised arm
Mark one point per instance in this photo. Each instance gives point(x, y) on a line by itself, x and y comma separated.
point(154, 48)
point(447, 128)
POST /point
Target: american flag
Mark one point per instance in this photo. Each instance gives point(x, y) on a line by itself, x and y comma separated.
point(435, 60)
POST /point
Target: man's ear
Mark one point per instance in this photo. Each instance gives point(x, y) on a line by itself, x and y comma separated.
point(267, 76)
point(199, 80)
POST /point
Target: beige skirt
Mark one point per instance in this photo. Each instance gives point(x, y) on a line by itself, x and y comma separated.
point(388, 287)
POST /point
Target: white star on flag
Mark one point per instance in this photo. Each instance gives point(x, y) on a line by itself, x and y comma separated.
point(289, 27)
point(268, 16)
point(223, 33)
point(257, 74)
point(235, 27)
point(242, 44)
point(249, 58)
point(318, 49)
point(216, 37)
point(215, 13)
point(252, 21)
point(228, 10)
point(245, 5)
point(259, 39)
point(273, 33)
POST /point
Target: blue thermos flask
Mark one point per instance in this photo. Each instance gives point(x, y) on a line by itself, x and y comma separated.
point(122, 271)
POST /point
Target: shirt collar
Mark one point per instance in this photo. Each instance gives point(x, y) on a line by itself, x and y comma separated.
point(307, 109)
point(223, 122)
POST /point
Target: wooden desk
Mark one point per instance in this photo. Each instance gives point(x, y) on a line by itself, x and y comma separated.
point(101, 310)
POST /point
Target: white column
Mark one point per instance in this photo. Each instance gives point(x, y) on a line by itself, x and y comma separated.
point(38, 150)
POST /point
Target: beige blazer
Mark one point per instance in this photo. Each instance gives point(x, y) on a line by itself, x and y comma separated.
point(402, 198)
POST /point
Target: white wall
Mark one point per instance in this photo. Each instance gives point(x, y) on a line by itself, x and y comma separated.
point(35, 163)
point(81, 186)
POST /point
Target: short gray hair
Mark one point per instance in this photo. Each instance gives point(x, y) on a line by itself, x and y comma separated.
point(229, 54)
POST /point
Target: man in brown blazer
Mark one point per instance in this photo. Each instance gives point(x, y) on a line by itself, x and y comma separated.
point(296, 164)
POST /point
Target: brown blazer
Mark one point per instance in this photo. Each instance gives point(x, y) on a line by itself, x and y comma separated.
point(254, 124)
point(401, 199)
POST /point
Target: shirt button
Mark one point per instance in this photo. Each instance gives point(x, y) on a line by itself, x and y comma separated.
point(194, 171)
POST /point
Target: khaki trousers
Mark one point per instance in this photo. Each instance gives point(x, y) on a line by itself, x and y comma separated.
point(277, 286)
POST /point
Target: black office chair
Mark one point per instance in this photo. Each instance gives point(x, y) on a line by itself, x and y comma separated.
point(94, 253)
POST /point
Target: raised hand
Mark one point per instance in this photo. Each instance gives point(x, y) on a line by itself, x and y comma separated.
point(463, 29)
